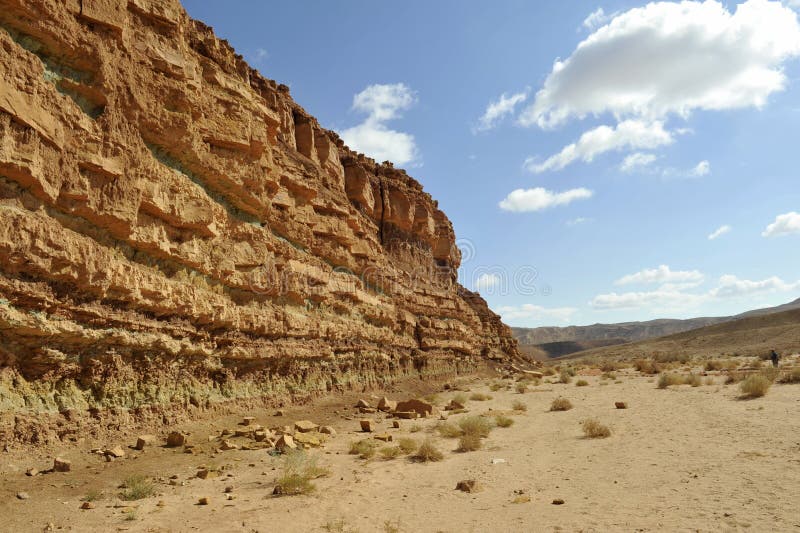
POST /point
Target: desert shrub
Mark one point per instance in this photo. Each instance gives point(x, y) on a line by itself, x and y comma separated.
point(790, 376)
point(693, 380)
point(299, 469)
point(646, 366)
point(432, 398)
point(564, 377)
point(428, 451)
point(713, 364)
point(460, 398)
point(407, 445)
point(609, 366)
point(609, 375)
point(593, 429)
point(476, 425)
point(709, 380)
point(503, 421)
point(390, 452)
point(496, 386)
point(469, 443)
point(549, 371)
point(364, 449)
point(581, 383)
point(137, 487)
point(93, 495)
point(479, 397)
point(560, 404)
point(755, 386)
point(449, 430)
point(415, 428)
point(521, 387)
point(672, 358)
point(667, 380)
point(519, 406)
point(734, 377)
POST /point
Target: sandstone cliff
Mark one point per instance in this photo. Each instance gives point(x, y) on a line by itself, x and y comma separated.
point(176, 231)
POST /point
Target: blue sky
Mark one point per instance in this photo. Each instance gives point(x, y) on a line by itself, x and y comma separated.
point(630, 133)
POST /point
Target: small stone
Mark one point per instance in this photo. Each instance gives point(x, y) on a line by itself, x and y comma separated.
point(284, 443)
point(453, 406)
point(406, 414)
point(31, 472)
point(61, 465)
point(228, 489)
point(161, 503)
point(385, 437)
point(205, 473)
point(87, 505)
point(558, 501)
point(144, 440)
point(396, 424)
point(366, 425)
point(469, 485)
point(242, 432)
point(230, 496)
point(175, 439)
point(115, 452)
point(203, 501)
point(522, 498)
point(22, 496)
point(369, 410)
point(260, 436)
point(620, 405)
point(279, 413)
point(327, 430)
point(362, 403)
point(305, 426)
point(228, 445)
point(248, 420)
point(385, 404)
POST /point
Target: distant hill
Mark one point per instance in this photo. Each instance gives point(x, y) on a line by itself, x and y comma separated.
point(549, 342)
point(755, 334)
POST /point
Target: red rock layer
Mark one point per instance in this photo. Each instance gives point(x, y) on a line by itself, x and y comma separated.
point(175, 228)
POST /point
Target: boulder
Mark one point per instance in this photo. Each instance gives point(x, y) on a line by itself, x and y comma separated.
point(144, 440)
point(61, 465)
point(175, 439)
point(308, 439)
point(248, 420)
point(420, 407)
point(469, 485)
point(387, 405)
point(453, 406)
point(115, 452)
point(366, 425)
point(406, 414)
point(228, 445)
point(385, 437)
point(362, 403)
point(285, 443)
point(304, 426)
point(327, 430)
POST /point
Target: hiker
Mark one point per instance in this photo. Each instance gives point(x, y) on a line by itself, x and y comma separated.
point(775, 358)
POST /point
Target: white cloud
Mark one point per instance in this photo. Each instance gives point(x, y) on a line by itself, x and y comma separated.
point(701, 169)
point(637, 161)
point(372, 137)
point(662, 274)
point(537, 199)
point(495, 111)
point(664, 298)
point(596, 19)
point(629, 134)
point(578, 221)
point(719, 232)
point(485, 282)
point(731, 286)
point(527, 314)
point(672, 58)
point(261, 54)
point(786, 224)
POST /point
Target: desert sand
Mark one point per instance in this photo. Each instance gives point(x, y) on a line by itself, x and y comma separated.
point(680, 459)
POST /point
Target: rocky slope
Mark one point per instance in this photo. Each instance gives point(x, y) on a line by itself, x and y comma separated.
point(176, 232)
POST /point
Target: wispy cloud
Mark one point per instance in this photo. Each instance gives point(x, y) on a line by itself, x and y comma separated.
point(497, 110)
point(719, 232)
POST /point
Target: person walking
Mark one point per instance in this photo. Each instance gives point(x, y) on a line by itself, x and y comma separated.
point(775, 358)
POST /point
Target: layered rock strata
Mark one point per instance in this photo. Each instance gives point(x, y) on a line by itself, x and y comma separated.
point(176, 230)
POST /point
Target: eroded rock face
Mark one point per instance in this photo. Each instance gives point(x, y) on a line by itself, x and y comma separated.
point(175, 229)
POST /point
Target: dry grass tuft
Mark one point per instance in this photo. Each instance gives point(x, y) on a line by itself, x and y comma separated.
point(469, 443)
point(564, 377)
point(365, 449)
point(137, 487)
point(693, 379)
point(449, 430)
point(790, 376)
point(519, 406)
point(593, 429)
point(581, 383)
point(646, 366)
point(479, 397)
point(503, 421)
point(476, 425)
point(561, 404)
point(390, 452)
point(407, 445)
point(521, 387)
point(299, 469)
point(667, 380)
point(428, 451)
point(755, 386)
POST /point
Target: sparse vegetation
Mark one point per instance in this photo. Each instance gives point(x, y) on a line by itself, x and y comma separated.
point(93, 495)
point(560, 404)
point(564, 377)
point(609, 375)
point(593, 429)
point(299, 469)
point(755, 386)
point(136, 487)
point(521, 387)
point(646, 366)
point(709, 380)
point(581, 383)
point(390, 452)
point(460, 398)
point(407, 445)
point(476, 425)
point(428, 451)
point(479, 397)
point(790, 376)
point(503, 421)
point(449, 430)
point(693, 380)
point(469, 443)
point(667, 380)
point(415, 428)
point(548, 371)
point(496, 386)
point(365, 449)
point(519, 406)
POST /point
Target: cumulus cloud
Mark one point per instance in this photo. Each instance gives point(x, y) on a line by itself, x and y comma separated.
point(701, 169)
point(786, 224)
point(499, 109)
point(672, 58)
point(661, 274)
point(372, 137)
point(637, 161)
point(538, 199)
point(528, 314)
point(629, 134)
point(719, 232)
point(677, 296)
point(595, 19)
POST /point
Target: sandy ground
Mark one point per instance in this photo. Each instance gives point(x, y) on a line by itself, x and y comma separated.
point(681, 459)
